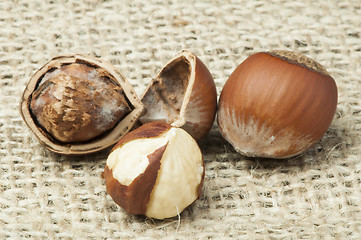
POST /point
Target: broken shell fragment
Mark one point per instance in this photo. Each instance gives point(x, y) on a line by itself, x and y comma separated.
point(183, 94)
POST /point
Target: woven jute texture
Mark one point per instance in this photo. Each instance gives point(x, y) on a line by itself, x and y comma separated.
point(313, 196)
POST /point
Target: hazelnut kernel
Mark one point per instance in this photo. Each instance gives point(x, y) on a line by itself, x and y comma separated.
point(77, 104)
point(156, 170)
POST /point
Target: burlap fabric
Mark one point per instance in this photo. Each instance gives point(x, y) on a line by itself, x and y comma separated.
point(313, 196)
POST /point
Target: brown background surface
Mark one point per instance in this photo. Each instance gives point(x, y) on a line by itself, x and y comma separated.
point(313, 196)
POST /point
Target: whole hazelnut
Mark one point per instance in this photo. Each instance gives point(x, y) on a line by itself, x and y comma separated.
point(156, 170)
point(77, 104)
point(276, 104)
point(182, 94)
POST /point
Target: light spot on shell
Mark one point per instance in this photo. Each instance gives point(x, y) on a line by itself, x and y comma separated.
point(254, 139)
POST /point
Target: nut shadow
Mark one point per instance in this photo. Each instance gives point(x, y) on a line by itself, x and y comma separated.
point(332, 146)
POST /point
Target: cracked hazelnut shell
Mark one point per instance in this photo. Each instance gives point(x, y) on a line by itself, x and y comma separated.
point(156, 170)
point(77, 104)
point(276, 104)
point(182, 94)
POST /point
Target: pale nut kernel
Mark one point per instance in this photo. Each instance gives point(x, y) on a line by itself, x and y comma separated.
point(156, 170)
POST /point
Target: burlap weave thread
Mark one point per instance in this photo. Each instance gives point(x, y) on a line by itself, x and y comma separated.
point(314, 196)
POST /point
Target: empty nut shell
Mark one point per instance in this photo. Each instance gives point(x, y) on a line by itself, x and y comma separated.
point(183, 94)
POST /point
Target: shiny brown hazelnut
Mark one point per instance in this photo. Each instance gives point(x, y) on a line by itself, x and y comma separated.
point(156, 170)
point(276, 104)
point(183, 94)
point(77, 104)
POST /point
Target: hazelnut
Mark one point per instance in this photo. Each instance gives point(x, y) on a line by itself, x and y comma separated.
point(76, 104)
point(276, 104)
point(182, 94)
point(156, 170)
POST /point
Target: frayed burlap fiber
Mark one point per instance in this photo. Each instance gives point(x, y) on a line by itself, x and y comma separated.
point(313, 196)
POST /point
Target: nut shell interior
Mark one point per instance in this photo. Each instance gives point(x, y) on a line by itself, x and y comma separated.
point(182, 94)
